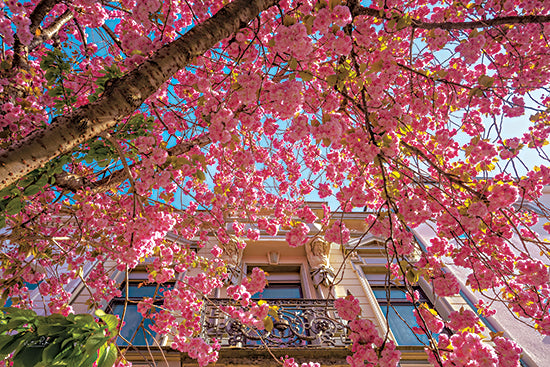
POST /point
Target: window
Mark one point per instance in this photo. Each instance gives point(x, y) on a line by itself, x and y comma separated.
point(392, 299)
point(398, 310)
point(284, 282)
point(284, 289)
point(136, 330)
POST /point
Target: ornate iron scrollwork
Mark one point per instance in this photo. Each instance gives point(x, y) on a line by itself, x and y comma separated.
point(299, 323)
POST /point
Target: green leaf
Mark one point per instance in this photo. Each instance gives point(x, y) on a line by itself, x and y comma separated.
point(64, 354)
point(31, 190)
point(28, 357)
point(51, 351)
point(200, 175)
point(306, 76)
point(14, 206)
point(268, 324)
point(84, 320)
point(108, 357)
point(5, 339)
point(88, 362)
point(111, 321)
point(99, 313)
point(94, 343)
point(332, 79)
point(10, 346)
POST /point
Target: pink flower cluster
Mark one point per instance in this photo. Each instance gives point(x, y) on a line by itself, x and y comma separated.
point(465, 319)
point(429, 317)
point(293, 41)
point(348, 308)
point(466, 347)
point(337, 233)
point(297, 236)
point(256, 282)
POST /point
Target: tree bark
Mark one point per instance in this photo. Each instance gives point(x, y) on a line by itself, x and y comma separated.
point(514, 19)
point(125, 94)
point(36, 17)
point(74, 183)
point(52, 30)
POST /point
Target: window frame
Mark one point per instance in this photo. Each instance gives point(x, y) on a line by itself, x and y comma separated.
point(138, 278)
point(369, 258)
point(291, 273)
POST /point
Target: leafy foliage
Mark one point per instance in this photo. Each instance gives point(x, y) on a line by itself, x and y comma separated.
point(55, 340)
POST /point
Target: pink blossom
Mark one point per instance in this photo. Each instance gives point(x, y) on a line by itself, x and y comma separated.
point(465, 319)
point(297, 236)
point(348, 308)
point(256, 282)
point(430, 318)
point(337, 233)
point(508, 352)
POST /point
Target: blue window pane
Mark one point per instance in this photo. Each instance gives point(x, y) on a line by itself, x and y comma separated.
point(135, 291)
point(280, 291)
point(382, 294)
point(133, 330)
point(398, 325)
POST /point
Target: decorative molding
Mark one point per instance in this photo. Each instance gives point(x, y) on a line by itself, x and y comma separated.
point(321, 272)
point(300, 323)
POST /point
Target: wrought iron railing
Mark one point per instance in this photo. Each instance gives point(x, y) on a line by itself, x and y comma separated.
point(299, 323)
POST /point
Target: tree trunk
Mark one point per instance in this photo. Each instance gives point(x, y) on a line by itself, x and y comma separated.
point(125, 94)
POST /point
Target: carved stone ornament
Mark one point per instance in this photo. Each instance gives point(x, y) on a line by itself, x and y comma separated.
point(232, 255)
point(317, 251)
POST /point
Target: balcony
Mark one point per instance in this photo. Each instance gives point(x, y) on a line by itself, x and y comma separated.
point(299, 323)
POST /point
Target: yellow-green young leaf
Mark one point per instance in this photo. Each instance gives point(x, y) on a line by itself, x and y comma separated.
point(473, 33)
point(107, 356)
point(100, 313)
point(200, 175)
point(305, 75)
point(308, 21)
point(273, 312)
point(486, 81)
point(111, 321)
point(289, 20)
point(199, 158)
point(477, 92)
point(412, 276)
point(293, 64)
point(268, 324)
point(403, 22)
point(375, 67)
point(332, 4)
point(332, 79)
point(440, 74)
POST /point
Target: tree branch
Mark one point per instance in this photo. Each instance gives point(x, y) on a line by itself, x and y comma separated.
point(125, 94)
point(513, 19)
point(74, 183)
point(52, 30)
point(38, 14)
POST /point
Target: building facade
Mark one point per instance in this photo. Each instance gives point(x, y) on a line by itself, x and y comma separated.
point(303, 283)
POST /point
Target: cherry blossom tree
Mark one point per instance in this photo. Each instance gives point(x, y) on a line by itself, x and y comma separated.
point(125, 121)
